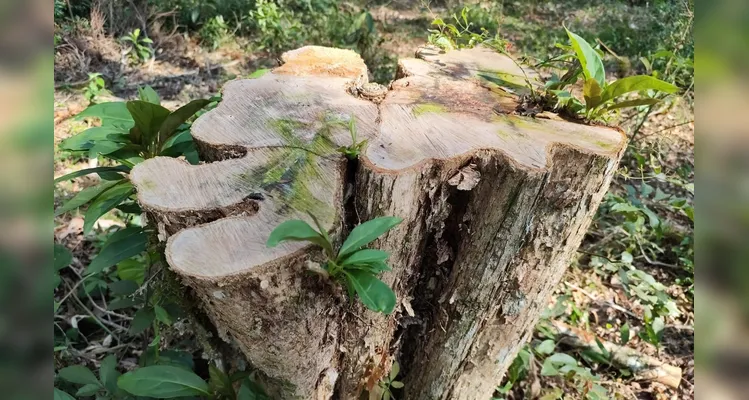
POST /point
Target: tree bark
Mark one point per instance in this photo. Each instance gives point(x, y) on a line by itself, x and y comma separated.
point(494, 206)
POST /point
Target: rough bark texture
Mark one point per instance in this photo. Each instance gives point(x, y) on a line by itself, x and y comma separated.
point(494, 206)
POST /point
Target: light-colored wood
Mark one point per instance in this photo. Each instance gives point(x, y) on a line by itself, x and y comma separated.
point(494, 205)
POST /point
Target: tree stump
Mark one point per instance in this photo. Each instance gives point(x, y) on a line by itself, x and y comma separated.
point(494, 206)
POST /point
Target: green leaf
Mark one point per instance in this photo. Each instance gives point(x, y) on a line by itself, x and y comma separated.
point(635, 84)
point(589, 59)
point(258, 73)
point(592, 94)
point(394, 370)
point(178, 117)
point(396, 384)
point(546, 347)
point(163, 382)
point(84, 196)
point(149, 95)
point(297, 230)
point(162, 315)
point(123, 288)
point(251, 391)
point(365, 233)
point(375, 267)
point(148, 118)
point(141, 320)
point(105, 202)
point(86, 139)
point(374, 293)
point(366, 256)
point(60, 395)
point(87, 171)
point(62, 256)
point(633, 103)
point(110, 114)
point(78, 374)
point(88, 390)
point(219, 381)
point(118, 249)
point(131, 270)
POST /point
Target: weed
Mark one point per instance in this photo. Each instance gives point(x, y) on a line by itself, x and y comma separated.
point(95, 87)
point(352, 266)
point(352, 151)
point(214, 32)
point(139, 49)
point(388, 382)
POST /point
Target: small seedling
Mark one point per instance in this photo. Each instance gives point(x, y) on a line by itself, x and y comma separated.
point(95, 87)
point(389, 382)
point(352, 152)
point(353, 266)
point(140, 47)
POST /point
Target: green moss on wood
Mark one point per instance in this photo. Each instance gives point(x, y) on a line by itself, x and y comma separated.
point(424, 108)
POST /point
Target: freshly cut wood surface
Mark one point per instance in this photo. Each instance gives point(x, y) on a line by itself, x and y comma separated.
point(493, 205)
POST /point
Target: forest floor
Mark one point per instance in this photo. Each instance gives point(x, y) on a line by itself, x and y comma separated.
point(592, 295)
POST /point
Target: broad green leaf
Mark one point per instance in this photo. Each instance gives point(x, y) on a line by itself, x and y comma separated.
point(88, 390)
point(87, 171)
point(149, 95)
point(62, 256)
point(258, 73)
point(636, 84)
point(78, 374)
point(374, 293)
point(178, 117)
point(633, 103)
point(123, 288)
point(562, 359)
point(141, 320)
point(119, 304)
point(148, 118)
point(297, 230)
point(374, 267)
point(397, 384)
point(115, 251)
point(162, 315)
point(251, 391)
point(365, 233)
point(366, 256)
point(111, 114)
point(592, 94)
point(104, 147)
point(219, 381)
point(86, 139)
point(131, 270)
point(60, 395)
point(163, 382)
point(394, 370)
point(84, 196)
point(546, 347)
point(589, 59)
point(106, 202)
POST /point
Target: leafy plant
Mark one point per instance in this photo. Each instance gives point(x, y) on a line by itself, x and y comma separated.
point(457, 35)
point(103, 386)
point(139, 48)
point(354, 267)
point(278, 27)
point(95, 87)
point(388, 382)
point(214, 32)
point(600, 97)
point(130, 132)
point(352, 151)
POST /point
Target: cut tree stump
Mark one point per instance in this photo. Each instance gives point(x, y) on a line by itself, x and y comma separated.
point(494, 205)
